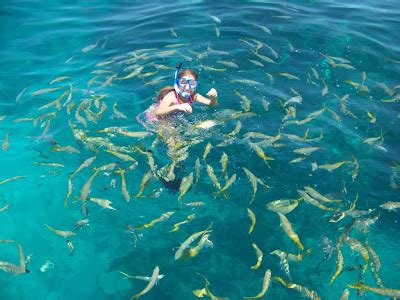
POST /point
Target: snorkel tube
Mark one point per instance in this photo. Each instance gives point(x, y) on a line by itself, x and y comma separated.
point(178, 90)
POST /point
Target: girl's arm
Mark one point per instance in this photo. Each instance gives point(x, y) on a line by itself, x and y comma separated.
point(212, 101)
point(166, 106)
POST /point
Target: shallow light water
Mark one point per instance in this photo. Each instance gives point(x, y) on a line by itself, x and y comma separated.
point(43, 40)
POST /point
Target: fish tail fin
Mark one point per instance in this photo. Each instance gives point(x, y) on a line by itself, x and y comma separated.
point(66, 201)
point(266, 162)
point(221, 192)
point(215, 194)
point(301, 246)
point(357, 286)
point(382, 135)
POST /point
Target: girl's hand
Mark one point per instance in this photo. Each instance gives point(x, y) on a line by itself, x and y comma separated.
point(185, 107)
point(212, 93)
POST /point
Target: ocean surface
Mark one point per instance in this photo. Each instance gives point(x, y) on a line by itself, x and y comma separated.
point(289, 75)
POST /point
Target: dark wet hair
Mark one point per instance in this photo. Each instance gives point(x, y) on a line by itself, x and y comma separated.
point(165, 90)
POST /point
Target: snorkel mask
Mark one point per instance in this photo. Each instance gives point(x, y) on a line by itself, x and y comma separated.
point(180, 84)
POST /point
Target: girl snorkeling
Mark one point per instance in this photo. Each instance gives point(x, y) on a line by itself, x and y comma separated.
point(172, 101)
point(180, 97)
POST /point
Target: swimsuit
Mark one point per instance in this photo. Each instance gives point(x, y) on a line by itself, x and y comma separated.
point(150, 113)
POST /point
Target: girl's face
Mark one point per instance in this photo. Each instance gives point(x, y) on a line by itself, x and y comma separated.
point(188, 84)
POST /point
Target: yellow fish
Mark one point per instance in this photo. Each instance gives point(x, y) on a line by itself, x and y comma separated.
point(103, 203)
point(228, 64)
point(86, 163)
point(358, 86)
point(188, 219)
point(150, 285)
point(204, 242)
point(207, 150)
point(339, 267)
point(253, 180)
point(264, 58)
point(6, 143)
point(210, 172)
point(45, 91)
point(197, 170)
point(252, 217)
point(303, 290)
point(315, 194)
point(357, 246)
point(345, 295)
point(381, 291)
point(5, 207)
point(310, 200)
point(287, 227)
point(123, 187)
point(375, 266)
point(283, 206)
point(185, 185)
point(259, 257)
point(372, 117)
point(145, 180)
point(117, 114)
point(19, 96)
point(12, 268)
point(69, 190)
point(224, 164)
point(261, 153)
point(307, 150)
point(284, 261)
point(246, 103)
point(331, 167)
point(255, 62)
point(86, 187)
point(289, 76)
point(263, 28)
point(90, 47)
point(163, 217)
point(63, 233)
point(69, 149)
point(354, 174)
point(265, 286)
point(173, 33)
point(189, 241)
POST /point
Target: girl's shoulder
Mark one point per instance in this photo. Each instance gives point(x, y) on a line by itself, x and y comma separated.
point(169, 97)
point(171, 94)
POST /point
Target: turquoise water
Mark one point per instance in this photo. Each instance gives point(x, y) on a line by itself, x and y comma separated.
point(43, 40)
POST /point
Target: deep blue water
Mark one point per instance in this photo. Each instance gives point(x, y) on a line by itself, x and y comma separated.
point(43, 40)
